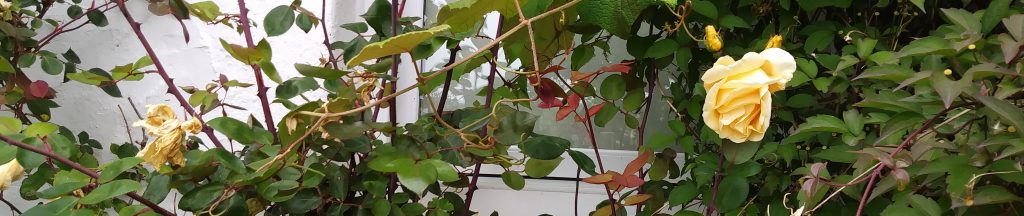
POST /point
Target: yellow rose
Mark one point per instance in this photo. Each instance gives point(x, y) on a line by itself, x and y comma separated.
point(10, 172)
point(168, 144)
point(711, 39)
point(774, 42)
point(739, 100)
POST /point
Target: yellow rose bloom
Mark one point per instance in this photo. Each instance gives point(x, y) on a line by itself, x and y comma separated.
point(169, 136)
point(774, 42)
point(739, 101)
point(711, 39)
point(10, 172)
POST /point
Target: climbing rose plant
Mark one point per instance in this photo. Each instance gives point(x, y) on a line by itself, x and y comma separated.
point(833, 107)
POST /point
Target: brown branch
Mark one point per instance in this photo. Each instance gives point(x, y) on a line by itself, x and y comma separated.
point(171, 88)
point(327, 39)
point(84, 170)
point(261, 89)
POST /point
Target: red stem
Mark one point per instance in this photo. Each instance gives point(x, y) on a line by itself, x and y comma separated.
point(327, 39)
point(171, 88)
point(84, 170)
point(910, 138)
point(261, 89)
point(490, 94)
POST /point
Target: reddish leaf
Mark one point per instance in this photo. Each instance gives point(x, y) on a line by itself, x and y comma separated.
point(38, 89)
point(573, 102)
point(634, 166)
point(547, 91)
point(591, 112)
point(600, 178)
point(552, 69)
point(629, 181)
point(636, 199)
point(578, 76)
point(620, 67)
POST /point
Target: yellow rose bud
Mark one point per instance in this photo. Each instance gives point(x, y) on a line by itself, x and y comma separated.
point(774, 42)
point(10, 172)
point(739, 101)
point(711, 39)
point(1011, 129)
point(947, 72)
point(971, 47)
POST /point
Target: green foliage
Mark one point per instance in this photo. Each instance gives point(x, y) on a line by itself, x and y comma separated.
point(923, 99)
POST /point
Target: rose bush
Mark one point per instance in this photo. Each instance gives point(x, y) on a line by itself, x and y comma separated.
point(852, 108)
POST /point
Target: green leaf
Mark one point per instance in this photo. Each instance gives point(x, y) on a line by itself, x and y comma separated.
point(544, 147)
point(738, 153)
point(583, 161)
point(1004, 110)
point(157, 187)
point(356, 27)
point(822, 123)
point(417, 177)
point(96, 17)
point(926, 205)
point(662, 48)
point(995, 12)
point(61, 206)
point(304, 201)
point(634, 99)
point(581, 55)
point(279, 20)
point(513, 180)
point(277, 191)
point(613, 87)
point(733, 21)
point(514, 126)
point(962, 18)
point(115, 168)
point(992, 194)
point(319, 72)
point(201, 197)
point(233, 129)
point(616, 16)
point(445, 171)
point(463, 15)
point(344, 131)
point(395, 45)
point(537, 168)
point(606, 114)
point(51, 65)
point(9, 125)
point(683, 193)
point(110, 190)
point(5, 66)
point(705, 8)
point(378, 16)
point(61, 189)
point(926, 46)
point(732, 192)
point(243, 54)
point(801, 101)
point(40, 129)
point(205, 11)
point(304, 22)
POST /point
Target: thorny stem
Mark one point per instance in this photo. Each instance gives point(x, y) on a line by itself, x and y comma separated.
point(327, 39)
point(487, 103)
point(171, 88)
point(261, 89)
point(392, 108)
point(82, 169)
point(910, 139)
